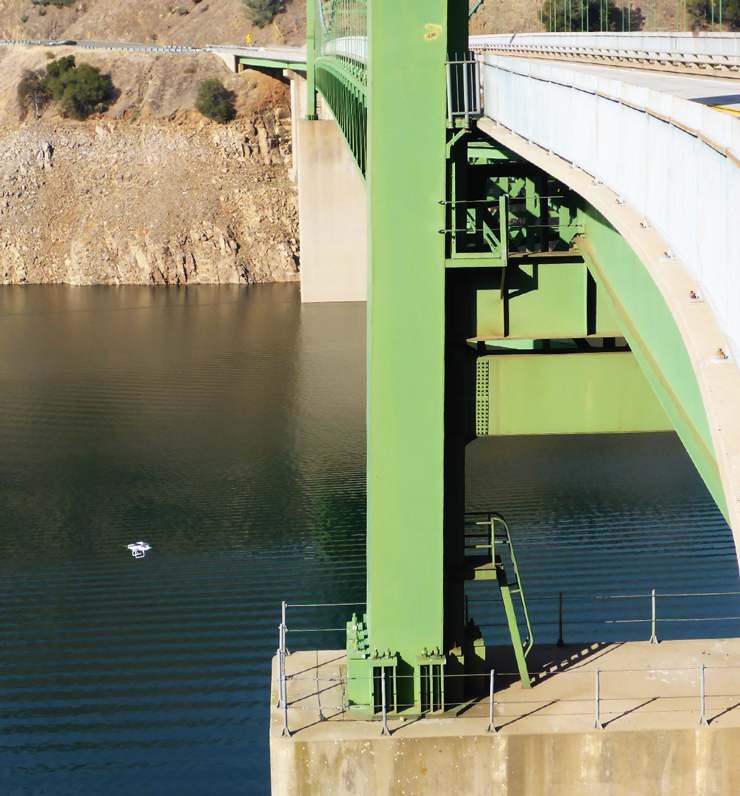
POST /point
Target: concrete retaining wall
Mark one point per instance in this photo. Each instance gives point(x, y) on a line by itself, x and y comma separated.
point(703, 762)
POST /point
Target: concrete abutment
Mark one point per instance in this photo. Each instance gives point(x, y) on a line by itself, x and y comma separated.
point(641, 763)
point(332, 206)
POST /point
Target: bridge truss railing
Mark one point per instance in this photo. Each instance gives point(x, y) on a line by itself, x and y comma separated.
point(463, 89)
point(340, 68)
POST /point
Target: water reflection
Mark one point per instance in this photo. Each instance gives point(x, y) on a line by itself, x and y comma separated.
point(226, 427)
point(186, 417)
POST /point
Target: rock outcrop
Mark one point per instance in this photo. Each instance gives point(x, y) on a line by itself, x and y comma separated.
point(147, 202)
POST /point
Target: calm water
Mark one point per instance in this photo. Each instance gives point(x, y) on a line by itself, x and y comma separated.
point(225, 426)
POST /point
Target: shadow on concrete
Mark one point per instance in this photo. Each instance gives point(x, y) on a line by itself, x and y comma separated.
point(723, 712)
point(544, 661)
point(339, 659)
point(526, 715)
point(631, 710)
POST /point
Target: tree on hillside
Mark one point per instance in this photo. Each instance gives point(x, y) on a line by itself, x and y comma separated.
point(262, 12)
point(589, 15)
point(215, 101)
point(701, 10)
point(33, 92)
point(80, 90)
point(58, 67)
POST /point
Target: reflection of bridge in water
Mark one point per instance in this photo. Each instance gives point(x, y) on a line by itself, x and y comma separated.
point(550, 250)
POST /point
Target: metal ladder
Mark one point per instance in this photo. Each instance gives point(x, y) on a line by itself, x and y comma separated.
point(487, 545)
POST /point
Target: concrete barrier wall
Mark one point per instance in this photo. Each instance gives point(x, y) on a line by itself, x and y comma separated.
point(676, 162)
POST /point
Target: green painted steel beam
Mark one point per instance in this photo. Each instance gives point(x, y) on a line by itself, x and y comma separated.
point(407, 137)
point(271, 63)
point(654, 336)
point(602, 392)
point(311, 60)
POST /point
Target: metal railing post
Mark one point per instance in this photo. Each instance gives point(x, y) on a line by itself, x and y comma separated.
point(283, 675)
point(653, 636)
point(491, 725)
point(597, 720)
point(285, 731)
point(561, 643)
point(281, 668)
point(385, 730)
point(466, 91)
point(703, 718)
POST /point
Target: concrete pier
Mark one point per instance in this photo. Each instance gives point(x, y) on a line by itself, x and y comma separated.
point(332, 206)
point(545, 742)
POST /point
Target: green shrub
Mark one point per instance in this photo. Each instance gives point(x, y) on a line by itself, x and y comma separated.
point(215, 101)
point(262, 12)
point(24, 18)
point(80, 90)
point(55, 69)
point(57, 3)
point(42, 12)
point(33, 91)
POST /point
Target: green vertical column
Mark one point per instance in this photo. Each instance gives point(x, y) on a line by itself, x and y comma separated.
point(311, 60)
point(408, 43)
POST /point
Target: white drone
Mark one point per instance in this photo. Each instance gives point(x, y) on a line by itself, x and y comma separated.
point(138, 549)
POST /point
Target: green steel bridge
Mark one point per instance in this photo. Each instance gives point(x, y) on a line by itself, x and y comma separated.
point(550, 252)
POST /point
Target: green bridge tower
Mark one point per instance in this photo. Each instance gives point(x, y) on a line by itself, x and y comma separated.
point(489, 289)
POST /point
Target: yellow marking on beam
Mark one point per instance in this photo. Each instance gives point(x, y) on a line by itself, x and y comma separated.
point(726, 109)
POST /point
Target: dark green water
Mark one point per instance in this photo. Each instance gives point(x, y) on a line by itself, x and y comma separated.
point(226, 427)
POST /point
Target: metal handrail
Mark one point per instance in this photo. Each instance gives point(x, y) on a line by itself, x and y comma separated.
point(660, 60)
point(599, 701)
point(492, 518)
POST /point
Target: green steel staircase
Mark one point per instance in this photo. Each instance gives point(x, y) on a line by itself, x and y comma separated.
point(489, 552)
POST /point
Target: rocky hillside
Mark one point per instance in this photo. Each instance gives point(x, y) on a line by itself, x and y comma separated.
point(152, 192)
point(224, 22)
point(160, 21)
point(149, 203)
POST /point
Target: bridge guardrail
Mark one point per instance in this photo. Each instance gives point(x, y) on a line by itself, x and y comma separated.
point(464, 99)
point(725, 65)
point(696, 700)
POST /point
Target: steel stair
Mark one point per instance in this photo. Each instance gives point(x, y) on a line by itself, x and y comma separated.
point(489, 555)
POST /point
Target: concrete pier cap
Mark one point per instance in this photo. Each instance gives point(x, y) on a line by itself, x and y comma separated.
point(652, 741)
